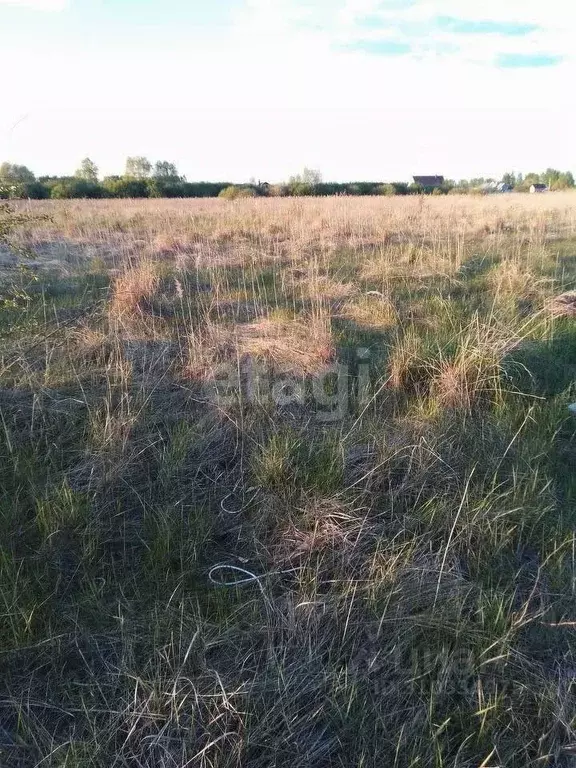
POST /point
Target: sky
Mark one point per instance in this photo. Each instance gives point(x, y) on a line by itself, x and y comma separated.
point(237, 89)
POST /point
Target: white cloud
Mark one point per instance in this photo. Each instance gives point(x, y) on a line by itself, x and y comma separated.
point(555, 22)
point(39, 5)
point(321, 24)
point(281, 91)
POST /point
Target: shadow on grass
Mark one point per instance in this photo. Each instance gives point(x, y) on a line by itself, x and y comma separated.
point(545, 368)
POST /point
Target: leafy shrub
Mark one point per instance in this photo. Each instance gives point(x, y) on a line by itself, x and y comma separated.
point(115, 186)
point(76, 188)
point(300, 189)
point(234, 193)
point(35, 190)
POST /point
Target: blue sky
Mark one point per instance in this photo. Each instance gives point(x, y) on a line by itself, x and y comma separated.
point(231, 89)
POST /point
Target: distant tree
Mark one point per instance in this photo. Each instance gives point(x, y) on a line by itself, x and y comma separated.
point(88, 170)
point(308, 176)
point(550, 177)
point(137, 168)
point(510, 179)
point(165, 170)
point(16, 174)
point(563, 181)
point(311, 176)
point(532, 178)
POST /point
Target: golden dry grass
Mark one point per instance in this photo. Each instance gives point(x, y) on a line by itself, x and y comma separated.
point(289, 346)
point(134, 286)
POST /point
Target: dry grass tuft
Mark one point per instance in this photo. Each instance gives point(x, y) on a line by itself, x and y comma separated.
point(511, 278)
point(133, 287)
point(321, 288)
point(209, 348)
point(406, 366)
point(463, 382)
point(290, 346)
point(563, 305)
point(457, 378)
point(373, 310)
point(92, 346)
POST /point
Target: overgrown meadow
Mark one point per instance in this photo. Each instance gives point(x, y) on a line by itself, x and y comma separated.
point(288, 483)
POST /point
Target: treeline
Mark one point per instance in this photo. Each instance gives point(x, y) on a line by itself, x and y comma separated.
point(141, 179)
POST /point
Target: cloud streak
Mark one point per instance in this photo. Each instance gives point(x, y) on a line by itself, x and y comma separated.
point(380, 47)
point(459, 26)
point(528, 60)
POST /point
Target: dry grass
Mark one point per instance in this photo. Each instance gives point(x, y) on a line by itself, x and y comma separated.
point(133, 288)
point(371, 311)
point(287, 346)
point(563, 305)
point(193, 579)
point(516, 280)
point(298, 347)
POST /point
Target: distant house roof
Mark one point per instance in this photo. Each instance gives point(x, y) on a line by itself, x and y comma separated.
point(429, 181)
point(539, 187)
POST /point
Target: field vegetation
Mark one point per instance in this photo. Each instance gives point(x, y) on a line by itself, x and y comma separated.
point(288, 482)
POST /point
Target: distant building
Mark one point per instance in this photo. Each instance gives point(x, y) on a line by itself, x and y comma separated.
point(429, 182)
point(503, 187)
point(537, 188)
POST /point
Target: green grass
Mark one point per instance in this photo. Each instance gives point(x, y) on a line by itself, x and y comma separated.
point(395, 584)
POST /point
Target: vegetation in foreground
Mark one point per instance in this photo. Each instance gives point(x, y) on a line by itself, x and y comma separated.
point(363, 556)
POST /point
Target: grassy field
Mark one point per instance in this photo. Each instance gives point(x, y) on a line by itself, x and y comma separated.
point(288, 483)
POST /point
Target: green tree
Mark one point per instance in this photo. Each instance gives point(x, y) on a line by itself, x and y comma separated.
point(14, 180)
point(532, 178)
point(165, 171)
point(16, 174)
point(88, 170)
point(564, 181)
point(551, 177)
point(137, 168)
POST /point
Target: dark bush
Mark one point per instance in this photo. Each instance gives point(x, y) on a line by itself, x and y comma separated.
point(76, 188)
point(115, 186)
